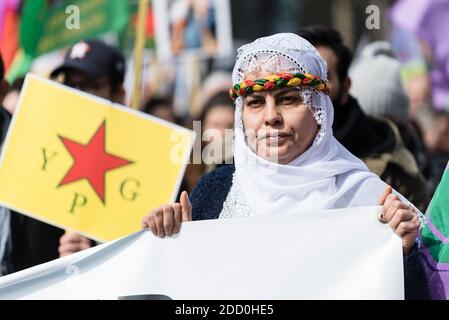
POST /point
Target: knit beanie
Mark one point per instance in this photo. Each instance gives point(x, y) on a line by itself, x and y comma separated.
point(376, 82)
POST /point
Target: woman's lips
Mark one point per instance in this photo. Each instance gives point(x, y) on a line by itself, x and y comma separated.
point(276, 136)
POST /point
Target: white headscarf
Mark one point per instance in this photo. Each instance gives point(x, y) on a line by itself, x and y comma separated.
point(326, 176)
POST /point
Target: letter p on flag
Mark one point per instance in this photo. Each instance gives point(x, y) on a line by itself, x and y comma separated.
point(89, 148)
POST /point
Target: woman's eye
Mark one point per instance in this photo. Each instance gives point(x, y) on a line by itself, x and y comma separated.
point(288, 99)
point(254, 103)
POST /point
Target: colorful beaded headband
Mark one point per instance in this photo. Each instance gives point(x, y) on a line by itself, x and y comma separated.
point(279, 80)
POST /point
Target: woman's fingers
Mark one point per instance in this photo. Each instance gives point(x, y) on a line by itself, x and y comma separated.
point(383, 198)
point(159, 220)
point(145, 221)
point(394, 204)
point(387, 192)
point(408, 230)
point(389, 200)
point(408, 227)
point(152, 225)
point(387, 209)
point(402, 215)
point(177, 217)
point(186, 207)
point(167, 220)
point(401, 218)
point(148, 221)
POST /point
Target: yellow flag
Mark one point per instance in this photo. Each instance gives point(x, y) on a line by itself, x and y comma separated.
point(82, 163)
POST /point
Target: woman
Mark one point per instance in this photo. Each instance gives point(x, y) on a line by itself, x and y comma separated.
point(286, 158)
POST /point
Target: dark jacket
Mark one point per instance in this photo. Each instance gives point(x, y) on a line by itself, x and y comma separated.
point(33, 242)
point(207, 202)
point(377, 141)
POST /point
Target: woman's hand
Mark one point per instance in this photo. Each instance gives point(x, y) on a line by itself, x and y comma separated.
point(402, 218)
point(166, 220)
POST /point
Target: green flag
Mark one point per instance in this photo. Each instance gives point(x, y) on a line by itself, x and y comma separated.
point(45, 27)
point(435, 241)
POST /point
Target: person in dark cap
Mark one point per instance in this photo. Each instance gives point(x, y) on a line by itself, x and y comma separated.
point(94, 67)
point(97, 68)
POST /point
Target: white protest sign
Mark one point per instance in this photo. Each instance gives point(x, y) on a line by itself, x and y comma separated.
point(334, 254)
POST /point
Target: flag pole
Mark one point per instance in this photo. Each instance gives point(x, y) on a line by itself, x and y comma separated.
point(138, 53)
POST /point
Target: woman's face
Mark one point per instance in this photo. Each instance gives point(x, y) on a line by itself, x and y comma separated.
point(278, 125)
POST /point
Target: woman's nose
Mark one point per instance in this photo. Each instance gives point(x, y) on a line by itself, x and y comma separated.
point(273, 116)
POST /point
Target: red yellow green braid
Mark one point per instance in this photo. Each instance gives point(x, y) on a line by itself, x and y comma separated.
point(279, 80)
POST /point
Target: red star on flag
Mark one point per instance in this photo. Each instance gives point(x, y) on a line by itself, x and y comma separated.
point(92, 161)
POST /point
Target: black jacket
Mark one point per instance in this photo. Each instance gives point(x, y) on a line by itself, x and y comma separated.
point(33, 242)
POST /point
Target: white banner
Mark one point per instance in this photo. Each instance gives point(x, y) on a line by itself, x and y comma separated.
point(335, 254)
